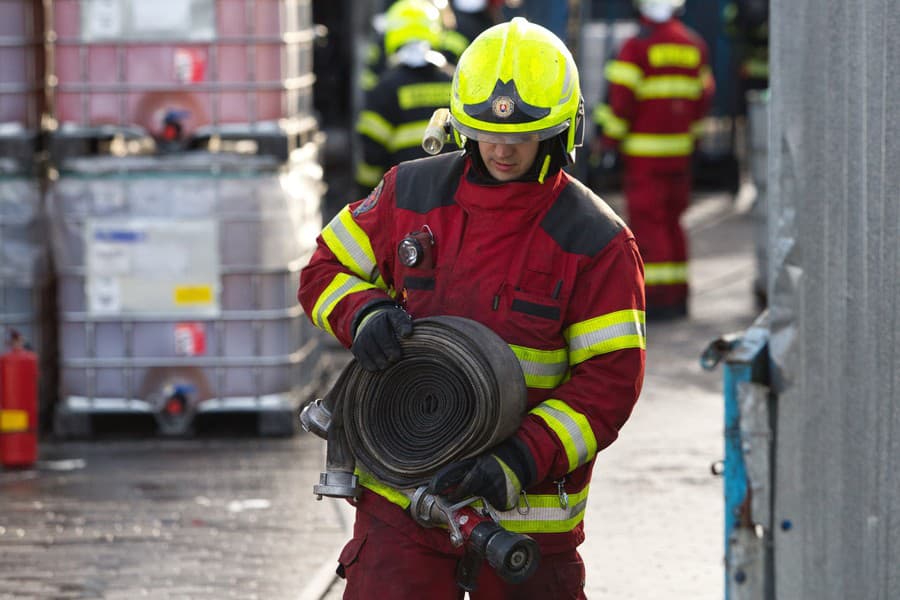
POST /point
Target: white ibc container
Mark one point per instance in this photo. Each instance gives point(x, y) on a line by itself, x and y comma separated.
point(176, 284)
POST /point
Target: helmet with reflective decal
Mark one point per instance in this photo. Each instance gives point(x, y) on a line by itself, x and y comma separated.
point(517, 82)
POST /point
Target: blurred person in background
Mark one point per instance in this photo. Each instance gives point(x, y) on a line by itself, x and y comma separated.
point(451, 44)
point(396, 111)
point(523, 248)
point(660, 88)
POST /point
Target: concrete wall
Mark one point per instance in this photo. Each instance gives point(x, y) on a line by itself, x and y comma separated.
point(834, 289)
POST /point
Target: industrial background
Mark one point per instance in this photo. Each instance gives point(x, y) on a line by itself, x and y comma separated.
point(165, 166)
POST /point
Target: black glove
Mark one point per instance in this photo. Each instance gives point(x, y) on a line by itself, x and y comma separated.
point(376, 343)
point(498, 476)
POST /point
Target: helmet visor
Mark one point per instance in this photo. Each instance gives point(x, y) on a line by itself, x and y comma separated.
point(507, 137)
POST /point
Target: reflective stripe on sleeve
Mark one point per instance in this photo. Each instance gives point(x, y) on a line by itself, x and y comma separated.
point(543, 369)
point(613, 126)
point(670, 273)
point(408, 135)
point(607, 333)
point(351, 246)
point(658, 145)
point(571, 427)
point(340, 287)
point(367, 174)
point(624, 73)
point(375, 126)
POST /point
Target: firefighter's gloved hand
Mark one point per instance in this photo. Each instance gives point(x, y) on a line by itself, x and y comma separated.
point(376, 343)
point(498, 476)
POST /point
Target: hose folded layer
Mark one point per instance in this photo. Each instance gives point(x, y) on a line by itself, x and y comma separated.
point(457, 391)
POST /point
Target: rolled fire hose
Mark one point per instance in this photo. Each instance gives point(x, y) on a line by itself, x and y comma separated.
point(457, 391)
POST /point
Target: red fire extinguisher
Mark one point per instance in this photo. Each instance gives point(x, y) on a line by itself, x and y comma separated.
point(18, 405)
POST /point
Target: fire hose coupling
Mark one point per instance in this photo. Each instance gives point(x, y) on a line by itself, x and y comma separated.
point(514, 556)
point(315, 418)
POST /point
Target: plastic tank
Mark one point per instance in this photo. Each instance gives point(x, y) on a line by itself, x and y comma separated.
point(22, 256)
point(21, 65)
point(209, 62)
point(176, 286)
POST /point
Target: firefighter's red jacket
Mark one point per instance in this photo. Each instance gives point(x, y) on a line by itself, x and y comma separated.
point(660, 88)
point(548, 267)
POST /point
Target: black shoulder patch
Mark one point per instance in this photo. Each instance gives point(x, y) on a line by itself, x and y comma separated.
point(428, 183)
point(580, 222)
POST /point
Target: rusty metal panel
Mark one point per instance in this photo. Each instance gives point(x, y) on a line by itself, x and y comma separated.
point(834, 285)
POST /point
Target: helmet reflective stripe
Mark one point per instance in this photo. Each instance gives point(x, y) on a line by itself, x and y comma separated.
point(516, 82)
point(607, 333)
point(571, 427)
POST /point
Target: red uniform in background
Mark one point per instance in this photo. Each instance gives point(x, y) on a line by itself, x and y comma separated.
point(660, 87)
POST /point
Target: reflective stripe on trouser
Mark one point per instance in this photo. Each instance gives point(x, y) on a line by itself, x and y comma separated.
point(656, 201)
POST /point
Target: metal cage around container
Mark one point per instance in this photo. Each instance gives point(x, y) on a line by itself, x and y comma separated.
point(176, 283)
point(203, 63)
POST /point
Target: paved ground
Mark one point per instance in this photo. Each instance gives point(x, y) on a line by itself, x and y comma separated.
point(234, 517)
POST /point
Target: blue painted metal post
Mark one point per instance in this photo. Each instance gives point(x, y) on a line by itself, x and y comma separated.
point(746, 360)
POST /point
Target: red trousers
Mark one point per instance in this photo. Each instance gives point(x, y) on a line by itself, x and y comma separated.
point(656, 200)
point(381, 562)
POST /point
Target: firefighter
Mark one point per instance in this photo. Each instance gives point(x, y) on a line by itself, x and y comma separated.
point(520, 246)
point(451, 44)
point(660, 87)
point(397, 109)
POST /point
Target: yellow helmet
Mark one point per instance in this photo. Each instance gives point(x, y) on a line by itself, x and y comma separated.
point(411, 21)
point(517, 82)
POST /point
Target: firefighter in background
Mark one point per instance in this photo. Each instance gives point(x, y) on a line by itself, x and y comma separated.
point(451, 44)
point(396, 111)
point(525, 249)
point(660, 87)
point(747, 22)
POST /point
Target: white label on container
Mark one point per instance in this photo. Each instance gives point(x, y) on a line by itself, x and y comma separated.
point(104, 296)
point(147, 265)
point(102, 19)
point(160, 15)
point(107, 260)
